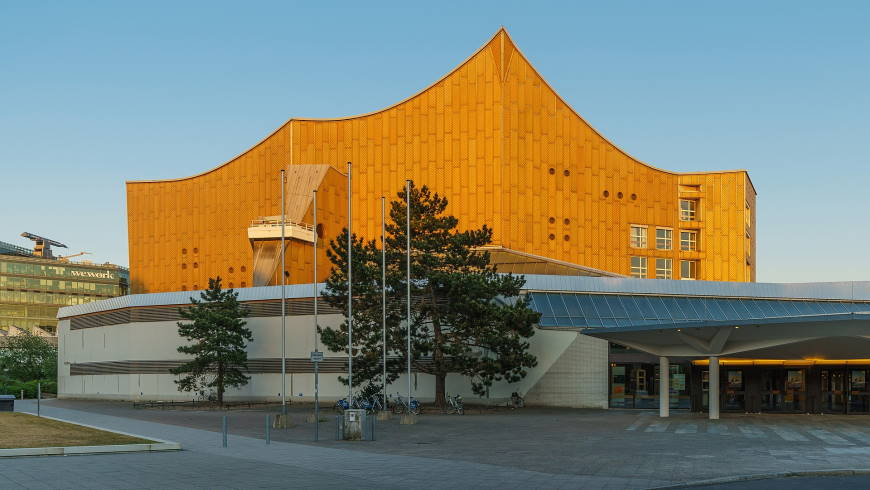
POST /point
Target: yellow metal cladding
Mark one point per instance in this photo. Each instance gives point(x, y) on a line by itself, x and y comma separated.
point(495, 139)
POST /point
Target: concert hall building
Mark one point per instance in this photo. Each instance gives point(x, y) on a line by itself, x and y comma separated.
point(645, 278)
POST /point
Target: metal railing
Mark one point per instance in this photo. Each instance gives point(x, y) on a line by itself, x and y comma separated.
point(276, 223)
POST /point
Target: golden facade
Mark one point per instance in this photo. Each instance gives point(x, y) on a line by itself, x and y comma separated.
point(496, 140)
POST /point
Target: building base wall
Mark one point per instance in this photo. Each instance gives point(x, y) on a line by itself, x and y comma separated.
point(130, 362)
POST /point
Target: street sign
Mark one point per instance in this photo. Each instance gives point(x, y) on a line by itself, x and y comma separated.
point(316, 356)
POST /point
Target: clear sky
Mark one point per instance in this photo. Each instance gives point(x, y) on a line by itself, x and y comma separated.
point(96, 93)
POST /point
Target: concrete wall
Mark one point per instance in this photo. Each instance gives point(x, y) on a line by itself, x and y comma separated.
point(571, 370)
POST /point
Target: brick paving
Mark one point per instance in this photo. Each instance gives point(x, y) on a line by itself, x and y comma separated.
point(529, 448)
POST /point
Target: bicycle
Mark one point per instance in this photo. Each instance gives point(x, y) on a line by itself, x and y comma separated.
point(401, 406)
point(454, 405)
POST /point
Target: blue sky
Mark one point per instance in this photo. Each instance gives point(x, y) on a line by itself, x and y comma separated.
point(96, 93)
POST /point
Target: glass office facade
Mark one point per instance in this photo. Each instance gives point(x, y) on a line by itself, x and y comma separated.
point(32, 288)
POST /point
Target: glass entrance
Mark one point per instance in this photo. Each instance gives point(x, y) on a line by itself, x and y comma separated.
point(859, 391)
point(833, 389)
point(637, 386)
point(735, 394)
point(783, 390)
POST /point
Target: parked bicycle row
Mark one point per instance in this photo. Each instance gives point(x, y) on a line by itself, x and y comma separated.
point(397, 405)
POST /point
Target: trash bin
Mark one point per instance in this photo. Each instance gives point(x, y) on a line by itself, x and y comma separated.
point(7, 403)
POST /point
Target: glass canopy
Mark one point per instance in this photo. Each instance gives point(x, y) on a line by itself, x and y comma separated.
point(612, 310)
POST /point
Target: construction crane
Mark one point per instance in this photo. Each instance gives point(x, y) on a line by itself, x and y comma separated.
point(42, 247)
point(66, 258)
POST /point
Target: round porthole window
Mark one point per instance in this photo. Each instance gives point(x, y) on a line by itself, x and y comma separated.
point(619, 195)
point(196, 265)
point(183, 266)
point(552, 171)
point(566, 221)
point(552, 236)
point(566, 173)
point(195, 250)
point(231, 270)
point(567, 237)
point(634, 197)
point(552, 220)
point(243, 268)
point(606, 193)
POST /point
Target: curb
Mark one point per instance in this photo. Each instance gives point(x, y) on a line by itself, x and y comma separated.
point(157, 445)
point(766, 476)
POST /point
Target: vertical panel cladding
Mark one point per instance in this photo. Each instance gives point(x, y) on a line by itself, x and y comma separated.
point(485, 137)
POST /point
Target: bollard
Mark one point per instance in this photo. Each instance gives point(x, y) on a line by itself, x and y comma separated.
point(339, 427)
point(225, 430)
point(268, 429)
point(38, 398)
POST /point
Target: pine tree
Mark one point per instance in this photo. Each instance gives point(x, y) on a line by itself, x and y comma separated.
point(218, 337)
point(465, 318)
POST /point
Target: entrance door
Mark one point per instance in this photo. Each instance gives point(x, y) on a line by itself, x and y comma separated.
point(859, 391)
point(735, 394)
point(833, 390)
point(783, 390)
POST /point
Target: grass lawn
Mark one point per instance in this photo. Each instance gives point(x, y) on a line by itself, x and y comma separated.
point(19, 430)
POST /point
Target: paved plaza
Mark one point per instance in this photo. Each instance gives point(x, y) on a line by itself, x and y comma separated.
point(528, 448)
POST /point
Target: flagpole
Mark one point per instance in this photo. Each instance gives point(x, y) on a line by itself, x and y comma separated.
point(384, 291)
point(283, 306)
point(349, 293)
point(408, 259)
point(316, 364)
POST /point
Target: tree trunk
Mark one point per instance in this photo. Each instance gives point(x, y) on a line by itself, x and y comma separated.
point(220, 387)
point(438, 364)
point(440, 388)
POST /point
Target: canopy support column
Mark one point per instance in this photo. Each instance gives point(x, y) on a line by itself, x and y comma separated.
point(713, 384)
point(664, 387)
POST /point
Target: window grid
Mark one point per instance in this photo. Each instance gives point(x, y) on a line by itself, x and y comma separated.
point(638, 236)
point(664, 238)
point(638, 267)
point(688, 209)
point(688, 241)
point(688, 269)
point(664, 268)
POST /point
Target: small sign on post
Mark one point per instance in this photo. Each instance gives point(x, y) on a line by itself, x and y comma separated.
point(316, 356)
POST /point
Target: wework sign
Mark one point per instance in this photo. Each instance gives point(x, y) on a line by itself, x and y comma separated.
point(99, 275)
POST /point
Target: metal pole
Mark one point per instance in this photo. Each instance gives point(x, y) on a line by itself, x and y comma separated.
point(316, 403)
point(283, 306)
point(384, 291)
point(38, 398)
point(316, 370)
point(349, 292)
point(408, 258)
point(224, 430)
point(268, 429)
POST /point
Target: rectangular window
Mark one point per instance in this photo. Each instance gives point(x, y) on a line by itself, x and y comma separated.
point(688, 240)
point(638, 267)
point(664, 238)
point(664, 268)
point(688, 269)
point(638, 236)
point(688, 209)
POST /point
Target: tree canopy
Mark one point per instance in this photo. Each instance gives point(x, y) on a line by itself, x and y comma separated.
point(465, 319)
point(217, 338)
